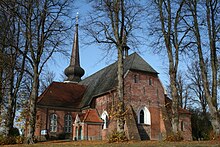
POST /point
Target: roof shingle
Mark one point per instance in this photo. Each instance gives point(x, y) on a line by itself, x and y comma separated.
point(60, 94)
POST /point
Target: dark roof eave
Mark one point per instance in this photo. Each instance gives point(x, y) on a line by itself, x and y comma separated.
point(85, 107)
point(98, 95)
point(103, 93)
point(132, 69)
point(89, 122)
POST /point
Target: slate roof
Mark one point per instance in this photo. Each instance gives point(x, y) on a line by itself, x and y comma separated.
point(60, 94)
point(106, 79)
point(80, 95)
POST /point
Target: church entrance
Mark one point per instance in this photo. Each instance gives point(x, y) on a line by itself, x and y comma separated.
point(80, 133)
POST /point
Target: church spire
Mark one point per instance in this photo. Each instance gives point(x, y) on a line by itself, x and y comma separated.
point(74, 72)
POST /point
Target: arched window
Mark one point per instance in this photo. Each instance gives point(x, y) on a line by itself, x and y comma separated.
point(150, 81)
point(105, 119)
point(182, 126)
point(144, 116)
point(53, 123)
point(68, 123)
point(136, 78)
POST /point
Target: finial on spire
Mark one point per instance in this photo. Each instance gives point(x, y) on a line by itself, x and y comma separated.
point(77, 17)
point(74, 72)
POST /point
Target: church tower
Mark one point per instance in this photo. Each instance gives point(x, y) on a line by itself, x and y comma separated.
point(74, 72)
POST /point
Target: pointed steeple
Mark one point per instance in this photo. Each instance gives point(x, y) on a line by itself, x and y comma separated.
point(74, 72)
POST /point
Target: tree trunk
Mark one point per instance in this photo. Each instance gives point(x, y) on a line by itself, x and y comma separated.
point(212, 43)
point(175, 115)
point(173, 56)
point(120, 121)
point(212, 31)
point(213, 111)
point(9, 117)
point(1, 71)
point(32, 111)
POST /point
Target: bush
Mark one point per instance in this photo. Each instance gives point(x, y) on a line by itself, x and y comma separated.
point(117, 137)
point(174, 137)
point(213, 136)
point(19, 139)
point(11, 140)
point(61, 136)
point(14, 132)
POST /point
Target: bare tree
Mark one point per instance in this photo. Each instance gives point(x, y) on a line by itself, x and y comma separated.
point(45, 30)
point(112, 23)
point(196, 86)
point(170, 32)
point(212, 11)
point(46, 80)
point(183, 90)
point(15, 64)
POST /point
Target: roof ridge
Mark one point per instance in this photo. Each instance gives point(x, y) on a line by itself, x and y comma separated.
point(99, 71)
point(108, 66)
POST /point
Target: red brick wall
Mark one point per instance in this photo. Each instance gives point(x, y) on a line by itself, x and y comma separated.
point(139, 94)
point(89, 131)
point(106, 103)
point(142, 94)
point(94, 131)
point(44, 113)
point(185, 126)
point(40, 121)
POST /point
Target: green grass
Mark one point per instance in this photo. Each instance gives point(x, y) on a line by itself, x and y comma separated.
point(125, 144)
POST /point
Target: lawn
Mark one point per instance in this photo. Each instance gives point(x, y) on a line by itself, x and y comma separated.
point(126, 144)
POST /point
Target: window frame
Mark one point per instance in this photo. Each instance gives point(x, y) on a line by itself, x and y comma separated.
point(141, 116)
point(136, 78)
point(150, 82)
point(147, 116)
point(182, 126)
point(53, 122)
point(68, 123)
point(104, 117)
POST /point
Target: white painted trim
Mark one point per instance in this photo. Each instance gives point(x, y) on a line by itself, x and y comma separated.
point(103, 116)
point(126, 73)
point(147, 115)
point(77, 120)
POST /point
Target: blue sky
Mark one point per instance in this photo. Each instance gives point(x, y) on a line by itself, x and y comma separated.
point(91, 57)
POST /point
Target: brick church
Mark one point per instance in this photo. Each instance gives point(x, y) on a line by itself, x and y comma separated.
point(82, 109)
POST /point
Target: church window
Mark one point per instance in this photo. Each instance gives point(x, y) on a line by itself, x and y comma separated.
point(38, 117)
point(144, 91)
point(150, 81)
point(68, 123)
point(53, 123)
point(105, 119)
point(182, 126)
point(144, 116)
point(136, 79)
